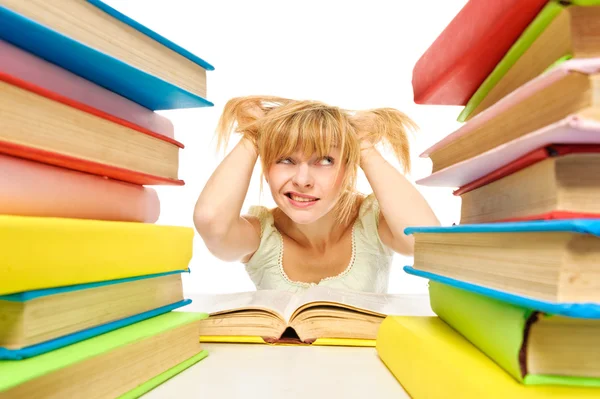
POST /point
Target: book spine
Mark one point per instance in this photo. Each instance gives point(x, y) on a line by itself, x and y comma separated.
point(28, 67)
point(36, 189)
point(42, 252)
point(496, 328)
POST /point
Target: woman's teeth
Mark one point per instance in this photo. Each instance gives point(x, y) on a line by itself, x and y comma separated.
point(302, 199)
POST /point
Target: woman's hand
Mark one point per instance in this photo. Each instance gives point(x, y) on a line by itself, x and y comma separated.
point(365, 123)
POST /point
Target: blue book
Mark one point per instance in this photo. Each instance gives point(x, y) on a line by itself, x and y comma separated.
point(35, 322)
point(547, 265)
point(155, 90)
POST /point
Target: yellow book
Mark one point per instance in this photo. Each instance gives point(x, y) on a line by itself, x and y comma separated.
point(245, 339)
point(431, 360)
point(40, 252)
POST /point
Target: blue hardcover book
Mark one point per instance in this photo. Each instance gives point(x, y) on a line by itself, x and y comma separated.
point(547, 265)
point(130, 81)
point(105, 306)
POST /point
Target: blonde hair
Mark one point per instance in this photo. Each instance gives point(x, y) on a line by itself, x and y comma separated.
point(278, 127)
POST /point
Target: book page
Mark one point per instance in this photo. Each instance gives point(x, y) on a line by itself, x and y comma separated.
point(269, 300)
point(382, 304)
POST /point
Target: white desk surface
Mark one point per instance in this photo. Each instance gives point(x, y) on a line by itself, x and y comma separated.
point(271, 371)
point(287, 372)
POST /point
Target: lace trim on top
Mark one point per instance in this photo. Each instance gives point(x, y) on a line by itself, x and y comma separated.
point(305, 284)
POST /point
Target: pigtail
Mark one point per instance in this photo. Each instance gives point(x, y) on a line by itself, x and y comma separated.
point(387, 125)
point(243, 115)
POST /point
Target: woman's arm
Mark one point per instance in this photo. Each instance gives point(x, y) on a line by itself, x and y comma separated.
point(400, 202)
point(228, 235)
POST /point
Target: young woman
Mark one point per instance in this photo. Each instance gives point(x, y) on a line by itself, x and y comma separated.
point(322, 231)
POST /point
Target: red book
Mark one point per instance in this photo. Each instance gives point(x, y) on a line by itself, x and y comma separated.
point(470, 47)
point(90, 140)
point(554, 215)
point(526, 160)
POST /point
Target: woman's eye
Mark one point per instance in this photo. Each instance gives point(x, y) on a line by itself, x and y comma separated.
point(285, 161)
point(326, 161)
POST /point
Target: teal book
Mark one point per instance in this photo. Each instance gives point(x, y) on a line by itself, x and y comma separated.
point(552, 262)
point(535, 348)
point(126, 362)
point(110, 49)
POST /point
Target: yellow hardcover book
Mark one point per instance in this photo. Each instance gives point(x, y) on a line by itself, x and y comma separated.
point(431, 360)
point(40, 252)
point(259, 340)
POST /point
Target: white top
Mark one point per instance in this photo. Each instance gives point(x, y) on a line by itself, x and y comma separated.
point(369, 266)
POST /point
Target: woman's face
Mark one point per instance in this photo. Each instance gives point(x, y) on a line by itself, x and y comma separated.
point(306, 188)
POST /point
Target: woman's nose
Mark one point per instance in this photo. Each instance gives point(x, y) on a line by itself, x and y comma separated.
point(303, 177)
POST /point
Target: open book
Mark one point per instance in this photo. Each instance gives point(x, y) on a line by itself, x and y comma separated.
point(334, 317)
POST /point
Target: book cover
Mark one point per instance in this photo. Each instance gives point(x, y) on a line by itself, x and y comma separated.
point(531, 158)
point(28, 67)
point(577, 310)
point(585, 66)
point(435, 361)
point(161, 378)
point(79, 162)
point(32, 188)
point(573, 129)
point(498, 329)
point(104, 70)
point(533, 31)
point(14, 373)
point(61, 342)
point(43, 252)
point(468, 49)
point(245, 339)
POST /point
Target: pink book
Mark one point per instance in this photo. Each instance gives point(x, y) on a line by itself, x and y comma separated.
point(586, 66)
point(570, 130)
point(26, 66)
point(29, 188)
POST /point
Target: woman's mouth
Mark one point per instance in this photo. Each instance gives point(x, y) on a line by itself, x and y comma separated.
point(301, 201)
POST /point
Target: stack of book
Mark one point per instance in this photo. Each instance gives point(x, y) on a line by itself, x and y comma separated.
point(515, 285)
point(88, 281)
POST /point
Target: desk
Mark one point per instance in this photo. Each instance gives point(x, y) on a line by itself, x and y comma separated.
point(272, 371)
point(286, 372)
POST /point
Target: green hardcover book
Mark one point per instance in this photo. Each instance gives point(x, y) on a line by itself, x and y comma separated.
point(122, 363)
point(561, 31)
point(534, 348)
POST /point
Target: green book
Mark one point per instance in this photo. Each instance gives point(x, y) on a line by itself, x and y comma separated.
point(545, 47)
point(534, 348)
point(122, 363)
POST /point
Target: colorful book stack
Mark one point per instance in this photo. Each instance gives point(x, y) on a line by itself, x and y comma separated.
point(88, 281)
point(515, 285)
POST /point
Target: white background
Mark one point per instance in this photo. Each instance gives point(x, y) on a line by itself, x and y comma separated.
point(352, 54)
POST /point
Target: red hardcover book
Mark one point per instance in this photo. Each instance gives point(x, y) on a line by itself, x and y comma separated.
point(469, 48)
point(21, 148)
point(554, 215)
point(527, 160)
